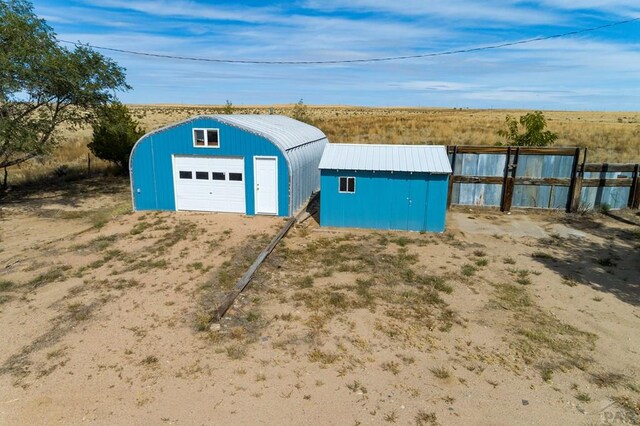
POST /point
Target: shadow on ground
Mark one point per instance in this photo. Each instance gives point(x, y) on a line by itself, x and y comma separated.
point(607, 259)
point(65, 190)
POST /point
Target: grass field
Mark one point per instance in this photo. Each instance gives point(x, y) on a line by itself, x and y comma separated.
point(612, 137)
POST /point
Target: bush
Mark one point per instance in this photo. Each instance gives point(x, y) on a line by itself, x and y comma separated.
point(534, 134)
point(114, 135)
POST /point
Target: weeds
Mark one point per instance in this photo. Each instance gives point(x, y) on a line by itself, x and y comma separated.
point(391, 366)
point(583, 397)
point(482, 262)
point(632, 407)
point(542, 255)
point(202, 320)
point(440, 373)
point(316, 355)
point(356, 386)
point(468, 270)
point(139, 228)
point(511, 297)
point(78, 311)
point(304, 282)
point(150, 360)
point(56, 273)
point(391, 417)
point(608, 379)
point(236, 351)
point(6, 285)
point(424, 418)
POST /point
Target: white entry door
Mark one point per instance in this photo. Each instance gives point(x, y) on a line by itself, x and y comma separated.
point(214, 184)
point(266, 184)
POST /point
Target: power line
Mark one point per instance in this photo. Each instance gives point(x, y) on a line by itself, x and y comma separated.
point(351, 61)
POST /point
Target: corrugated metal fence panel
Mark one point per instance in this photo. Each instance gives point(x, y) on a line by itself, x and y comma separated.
point(480, 164)
point(478, 194)
point(542, 166)
point(613, 197)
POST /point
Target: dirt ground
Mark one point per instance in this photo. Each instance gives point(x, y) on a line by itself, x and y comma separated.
point(527, 318)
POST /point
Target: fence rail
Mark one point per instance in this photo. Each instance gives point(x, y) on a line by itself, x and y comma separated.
point(558, 178)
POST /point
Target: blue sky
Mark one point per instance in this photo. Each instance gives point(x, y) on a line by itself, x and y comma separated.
point(593, 71)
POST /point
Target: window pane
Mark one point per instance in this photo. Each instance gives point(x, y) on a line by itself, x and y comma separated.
point(212, 137)
point(202, 175)
point(235, 176)
point(217, 176)
point(343, 184)
point(198, 137)
point(351, 184)
point(185, 175)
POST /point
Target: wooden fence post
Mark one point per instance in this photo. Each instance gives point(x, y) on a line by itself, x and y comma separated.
point(575, 187)
point(634, 192)
point(507, 169)
point(453, 173)
point(510, 182)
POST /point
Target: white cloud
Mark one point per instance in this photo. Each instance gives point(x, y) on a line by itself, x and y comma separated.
point(487, 12)
point(431, 85)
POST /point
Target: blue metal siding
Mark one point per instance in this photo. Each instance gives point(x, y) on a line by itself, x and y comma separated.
point(384, 200)
point(151, 163)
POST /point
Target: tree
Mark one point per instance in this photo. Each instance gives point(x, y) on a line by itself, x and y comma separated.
point(300, 111)
point(228, 107)
point(44, 85)
point(534, 133)
point(114, 134)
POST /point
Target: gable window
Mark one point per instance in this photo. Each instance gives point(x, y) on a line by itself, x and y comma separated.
point(206, 138)
point(347, 184)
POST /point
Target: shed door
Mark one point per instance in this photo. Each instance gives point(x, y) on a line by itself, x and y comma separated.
point(214, 184)
point(416, 202)
point(266, 184)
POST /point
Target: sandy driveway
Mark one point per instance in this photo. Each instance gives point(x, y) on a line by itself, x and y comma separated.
point(519, 319)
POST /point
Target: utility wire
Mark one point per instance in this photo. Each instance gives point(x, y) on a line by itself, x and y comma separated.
point(351, 61)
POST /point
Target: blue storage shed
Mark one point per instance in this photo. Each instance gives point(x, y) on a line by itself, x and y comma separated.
point(401, 187)
point(252, 164)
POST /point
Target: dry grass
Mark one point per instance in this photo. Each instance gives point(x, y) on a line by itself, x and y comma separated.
point(609, 136)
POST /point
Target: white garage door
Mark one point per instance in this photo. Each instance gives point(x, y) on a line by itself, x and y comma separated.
point(214, 184)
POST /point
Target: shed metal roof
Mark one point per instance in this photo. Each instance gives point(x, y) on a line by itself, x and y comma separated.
point(396, 158)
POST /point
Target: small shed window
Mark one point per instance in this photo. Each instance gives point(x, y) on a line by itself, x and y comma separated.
point(202, 175)
point(235, 176)
point(206, 138)
point(217, 176)
point(347, 184)
point(185, 175)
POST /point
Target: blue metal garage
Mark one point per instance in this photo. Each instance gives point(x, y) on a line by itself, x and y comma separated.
point(252, 164)
point(402, 187)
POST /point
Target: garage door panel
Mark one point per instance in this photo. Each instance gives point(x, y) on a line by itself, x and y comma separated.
point(214, 191)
